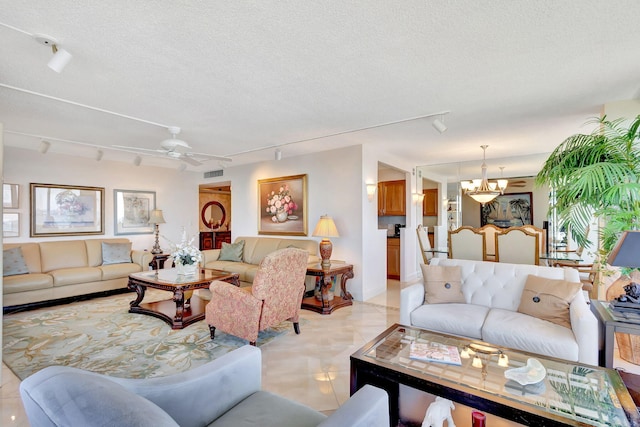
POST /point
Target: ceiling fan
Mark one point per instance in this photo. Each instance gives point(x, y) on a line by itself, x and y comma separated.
point(176, 149)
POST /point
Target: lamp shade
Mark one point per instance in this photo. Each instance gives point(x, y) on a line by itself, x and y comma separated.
point(156, 217)
point(627, 251)
point(60, 60)
point(326, 227)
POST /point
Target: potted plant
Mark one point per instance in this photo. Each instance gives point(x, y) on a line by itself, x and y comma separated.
point(597, 175)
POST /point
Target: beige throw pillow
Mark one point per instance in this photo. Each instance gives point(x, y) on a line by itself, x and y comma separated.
point(442, 284)
point(548, 299)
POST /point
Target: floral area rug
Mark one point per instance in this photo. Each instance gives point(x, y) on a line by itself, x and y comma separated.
point(100, 335)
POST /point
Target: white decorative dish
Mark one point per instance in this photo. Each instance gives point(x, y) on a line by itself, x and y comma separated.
point(533, 372)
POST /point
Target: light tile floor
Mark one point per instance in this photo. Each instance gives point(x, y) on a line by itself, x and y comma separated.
point(311, 368)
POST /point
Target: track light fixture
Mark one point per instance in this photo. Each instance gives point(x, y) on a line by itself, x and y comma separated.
point(137, 160)
point(182, 167)
point(278, 154)
point(61, 57)
point(439, 125)
point(44, 146)
point(99, 155)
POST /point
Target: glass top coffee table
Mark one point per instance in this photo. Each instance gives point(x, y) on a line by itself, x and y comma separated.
point(183, 308)
point(570, 393)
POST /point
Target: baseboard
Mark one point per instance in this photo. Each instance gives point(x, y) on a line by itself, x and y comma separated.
point(59, 301)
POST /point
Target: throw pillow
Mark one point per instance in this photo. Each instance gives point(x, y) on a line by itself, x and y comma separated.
point(116, 253)
point(548, 299)
point(13, 262)
point(442, 284)
point(232, 251)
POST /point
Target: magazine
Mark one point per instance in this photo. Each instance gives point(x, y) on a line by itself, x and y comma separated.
point(435, 352)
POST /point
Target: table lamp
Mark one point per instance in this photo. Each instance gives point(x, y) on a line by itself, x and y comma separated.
point(325, 228)
point(627, 251)
point(155, 219)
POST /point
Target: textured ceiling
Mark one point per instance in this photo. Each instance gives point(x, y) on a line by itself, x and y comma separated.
point(242, 77)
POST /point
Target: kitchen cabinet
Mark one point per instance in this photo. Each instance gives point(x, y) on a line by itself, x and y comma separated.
point(392, 198)
point(430, 202)
point(393, 258)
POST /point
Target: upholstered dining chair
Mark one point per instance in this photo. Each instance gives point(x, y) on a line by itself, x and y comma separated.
point(467, 243)
point(490, 231)
point(275, 296)
point(542, 236)
point(518, 246)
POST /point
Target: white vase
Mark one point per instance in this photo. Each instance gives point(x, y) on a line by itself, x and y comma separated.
point(187, 269)
point(281, 216)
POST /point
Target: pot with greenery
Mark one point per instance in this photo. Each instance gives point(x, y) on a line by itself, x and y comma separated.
point(597, 175)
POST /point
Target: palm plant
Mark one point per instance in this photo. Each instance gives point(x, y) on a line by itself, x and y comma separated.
point(597, 175)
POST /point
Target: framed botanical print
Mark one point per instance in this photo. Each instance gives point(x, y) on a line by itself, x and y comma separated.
point(66, 210)
point(132, 210)
point(10, 224)
point(282, 204)
point(10, 193)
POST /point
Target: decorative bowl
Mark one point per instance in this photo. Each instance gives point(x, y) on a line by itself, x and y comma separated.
point(533, 372)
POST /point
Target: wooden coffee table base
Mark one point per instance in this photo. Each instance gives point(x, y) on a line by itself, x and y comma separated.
point(168, 311)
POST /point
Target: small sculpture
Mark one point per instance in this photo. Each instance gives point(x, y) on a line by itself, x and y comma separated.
point(632, 291)
point(437, 412)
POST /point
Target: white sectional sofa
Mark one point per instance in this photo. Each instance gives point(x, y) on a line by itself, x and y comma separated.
point(492, 294)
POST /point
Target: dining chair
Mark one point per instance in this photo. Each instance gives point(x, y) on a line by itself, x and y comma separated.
point(490, 231)
point(542, 236)
point(517, 246)
point(467, 243)
point(425, 244)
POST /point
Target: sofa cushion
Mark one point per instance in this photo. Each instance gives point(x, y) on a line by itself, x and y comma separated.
point(517, 330)
point(26, 282)
point(232, 251)
point(442, 284)
point(81, 399)
point(548, 299)
point(116, 253)
point(63, 254)
point(266, 409)
point(13, 262)
point(72, 276)
point(455, 319)
point(117, 271)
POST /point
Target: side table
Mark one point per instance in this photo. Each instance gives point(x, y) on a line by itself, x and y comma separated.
point(325, 276)
point(157, 263)
point(611, 322)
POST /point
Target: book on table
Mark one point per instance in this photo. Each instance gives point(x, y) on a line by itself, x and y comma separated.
point(435, 352)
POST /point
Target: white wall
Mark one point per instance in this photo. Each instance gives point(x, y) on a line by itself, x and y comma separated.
point(176, 192)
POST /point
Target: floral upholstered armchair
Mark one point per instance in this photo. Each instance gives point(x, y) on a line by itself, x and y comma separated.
point(276, 295)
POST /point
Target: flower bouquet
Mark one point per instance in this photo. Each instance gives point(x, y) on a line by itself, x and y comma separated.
point(280, 205)
point(185, 254)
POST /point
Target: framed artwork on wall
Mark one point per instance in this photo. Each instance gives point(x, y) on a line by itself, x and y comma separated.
point(66, 210)
point(11, 224)
point(132, 210)
point(508, 210)
point(10, 193)
point(282, 204)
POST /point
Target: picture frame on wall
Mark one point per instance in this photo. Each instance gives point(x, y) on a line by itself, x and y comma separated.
point(508, 210)
point(10, 224)
point(10, 196)
point(282, 205)
point(66, 210)
point(132, 210)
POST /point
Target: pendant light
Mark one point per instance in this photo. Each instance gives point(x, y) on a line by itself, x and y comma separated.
point(481, 190)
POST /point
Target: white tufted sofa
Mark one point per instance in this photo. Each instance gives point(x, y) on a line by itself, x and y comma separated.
point(492, 291)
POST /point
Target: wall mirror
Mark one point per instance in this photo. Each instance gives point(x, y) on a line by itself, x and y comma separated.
point(213, 215)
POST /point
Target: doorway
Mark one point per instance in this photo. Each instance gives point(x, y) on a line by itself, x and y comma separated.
point(214, 217)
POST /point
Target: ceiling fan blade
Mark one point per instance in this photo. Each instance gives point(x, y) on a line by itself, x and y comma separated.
point(212, 156)
point(191, 161)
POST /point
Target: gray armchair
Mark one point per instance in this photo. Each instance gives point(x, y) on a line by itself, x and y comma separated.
point(224, 392)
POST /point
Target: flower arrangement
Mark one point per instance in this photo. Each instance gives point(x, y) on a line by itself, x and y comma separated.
point(70, 203)
point(185, 253)
point(280, 202)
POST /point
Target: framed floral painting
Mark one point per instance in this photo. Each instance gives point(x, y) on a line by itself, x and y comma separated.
point(132, 210)
point(282, 204)
point(66, 210)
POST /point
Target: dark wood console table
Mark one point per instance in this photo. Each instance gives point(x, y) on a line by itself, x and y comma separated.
point(325, 278)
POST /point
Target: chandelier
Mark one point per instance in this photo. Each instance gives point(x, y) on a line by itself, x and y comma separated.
point(481, 190)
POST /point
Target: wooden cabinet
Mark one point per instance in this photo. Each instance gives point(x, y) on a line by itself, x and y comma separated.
point(430, 202)
point(392, 198)
point(213, 239)
point(393, 258)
